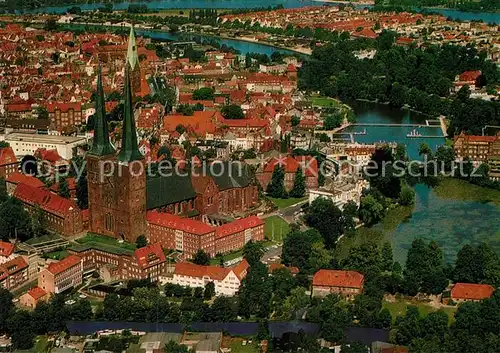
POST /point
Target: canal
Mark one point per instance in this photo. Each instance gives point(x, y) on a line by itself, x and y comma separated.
point(450, 220)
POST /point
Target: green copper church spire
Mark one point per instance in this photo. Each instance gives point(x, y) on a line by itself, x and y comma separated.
point(129, 151)
point(132, 55)
point(101, 145)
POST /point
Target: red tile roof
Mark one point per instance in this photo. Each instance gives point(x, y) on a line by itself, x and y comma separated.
point(241, 269)
point(293, 270)
point(66, 263)
point(18, 178)
point(7, 156)
point(45, 199)
point(192, 270)
point(48, 155)
point(71, 185)
point(176, 222)
point(37, 293)
point(6, 249)
point(237, 226)
point(290, 164)
point(470, 76)
point(334, 278)
point(471, 291)
point(150, 255)
point(10, 267)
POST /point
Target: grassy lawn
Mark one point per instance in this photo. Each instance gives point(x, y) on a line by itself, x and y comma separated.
point(399, 307)
point(237, 346)
point(93, 238)
point(284, 203)
point(324, 102)
point(228, 257)
point(42, 344)
point(280, 226)
point(456, 189)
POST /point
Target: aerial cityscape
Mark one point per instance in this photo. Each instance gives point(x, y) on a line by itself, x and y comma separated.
point(250, 176)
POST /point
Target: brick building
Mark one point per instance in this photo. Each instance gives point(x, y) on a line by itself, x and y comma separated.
point(17, 178)
point(476, 148)
point(345, 283)
point(13, 273)
point(62, 275)
point(64, 115)
point(290, 165)
point(148, 262)
point(60, 215)
point(33, 297)
point(8, 162)
point(189, 236)
point(227, 281)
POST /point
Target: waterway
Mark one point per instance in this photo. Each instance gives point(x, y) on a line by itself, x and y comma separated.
point(487, 17)
point(452, 223)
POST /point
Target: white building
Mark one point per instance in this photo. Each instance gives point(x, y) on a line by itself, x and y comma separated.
point(24, 144)
point(341, 192)
point(227, 281)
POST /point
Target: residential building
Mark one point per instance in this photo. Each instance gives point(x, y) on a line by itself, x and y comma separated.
point(8, 162)
point(6, 252)
point(202, 342)
point(31, 298)
point(227, 281)
point(61, 276)
point(345, 283)
point(469, 292)
point(118, 263)
point(474, 148)
point(189, 236)
point(61, 215)
point(13, 273)
point(64, 115)
point(341, 192)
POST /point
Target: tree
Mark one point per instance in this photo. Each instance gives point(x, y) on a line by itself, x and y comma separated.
point(232, 111)
point(14, 221)
point(297, 248)
point(141, 241)
point(63, 189)
point(81, 310)
point(400, 154)
point(204, 93)
point(253, 252)
point(407, 197)
point(424, 270)
point(21, 329)
point(6, 308)
point(42, 113)
point(333, 316)
point(276, 187)
point(327, 218)
point(477, 265)
point(445, 155)
point(407, 327)
point(299, 184)
point(295, 120)
point(201, 258)
point(354, 348)
point(332, 121)
point(425, 150)
point(223, 309)
point(350, 212)
point(370, 210)
point(209, 290)
point(255, 292)
point(387, 260)
point(174, 347)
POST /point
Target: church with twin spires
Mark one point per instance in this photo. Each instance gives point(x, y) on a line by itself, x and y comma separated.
point(117, 179)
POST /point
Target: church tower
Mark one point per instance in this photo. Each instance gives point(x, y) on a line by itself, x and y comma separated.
point(133, 61)
point(100, 178)
point(130, 174)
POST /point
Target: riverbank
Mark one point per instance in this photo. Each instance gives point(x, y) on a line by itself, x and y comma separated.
point(456, 189)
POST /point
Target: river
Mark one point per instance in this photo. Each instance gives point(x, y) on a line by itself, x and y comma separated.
point(487, 17)
point(451, 222)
